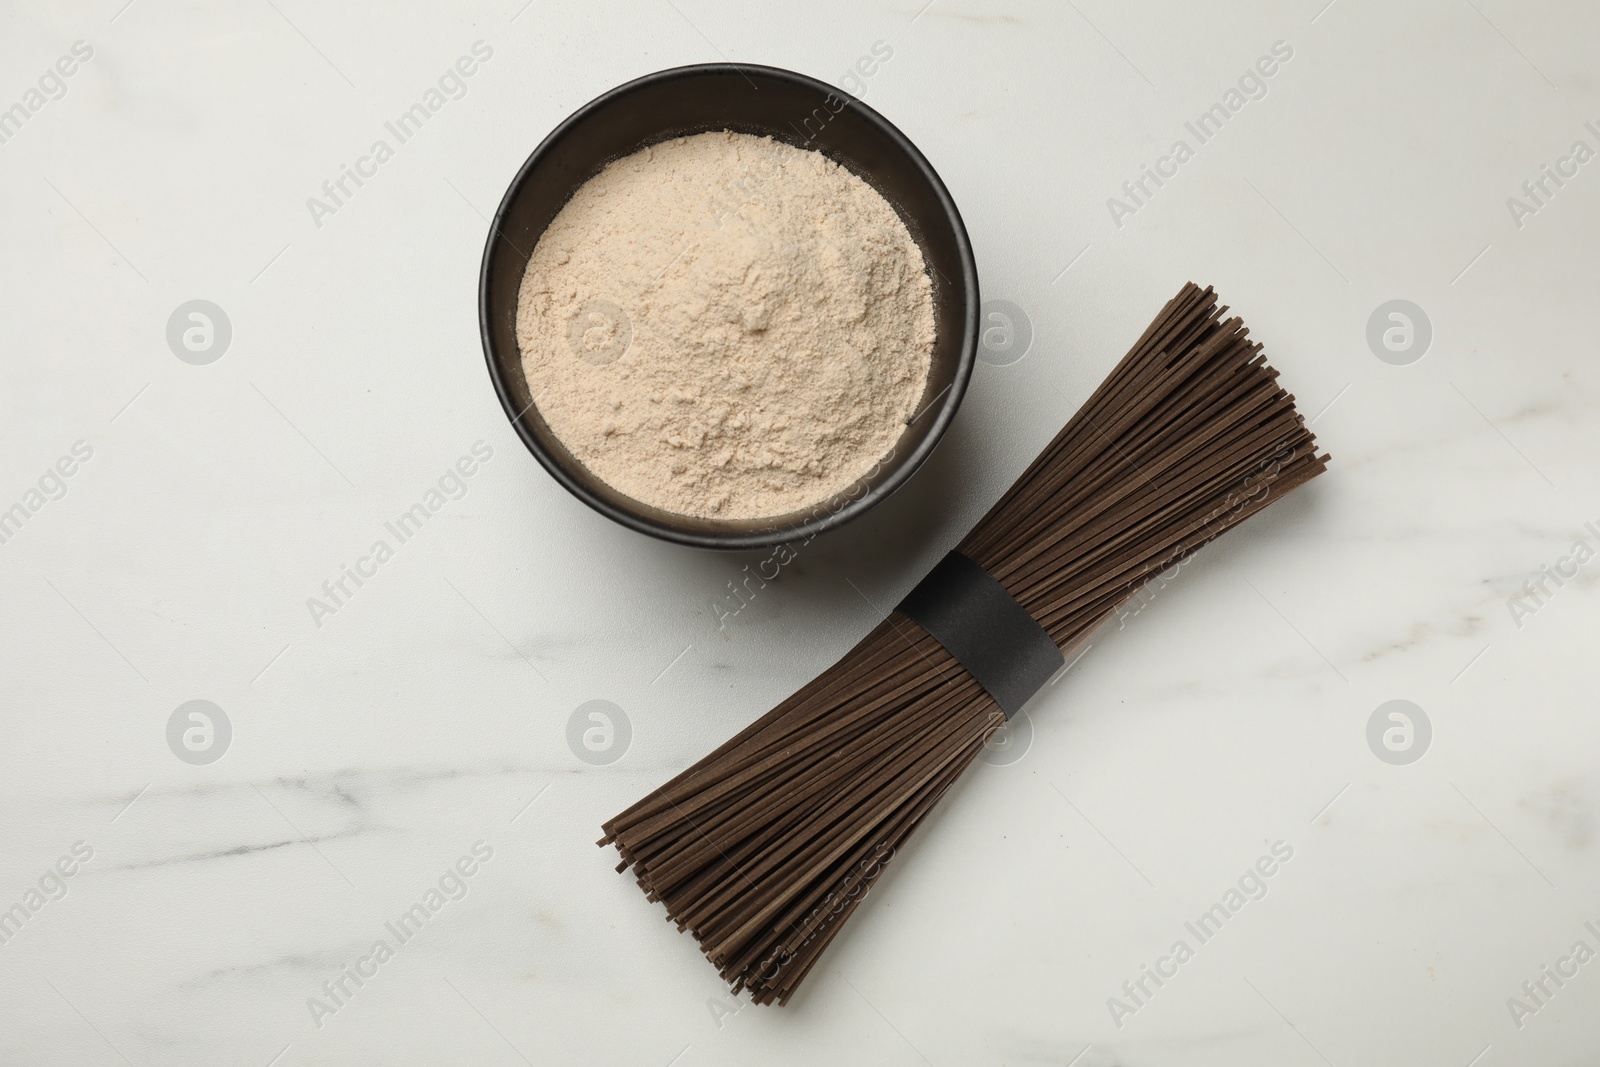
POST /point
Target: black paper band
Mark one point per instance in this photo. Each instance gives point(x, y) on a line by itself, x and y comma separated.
point(970, 613)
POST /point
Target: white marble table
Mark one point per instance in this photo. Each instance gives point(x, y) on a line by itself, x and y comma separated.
point(212, 906)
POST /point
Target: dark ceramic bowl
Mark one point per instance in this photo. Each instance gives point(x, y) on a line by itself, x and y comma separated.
point(767, 101)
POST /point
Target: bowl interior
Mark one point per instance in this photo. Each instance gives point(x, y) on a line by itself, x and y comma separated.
point(758, 100)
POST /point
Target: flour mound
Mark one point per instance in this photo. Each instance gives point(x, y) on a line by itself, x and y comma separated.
point(727, 326)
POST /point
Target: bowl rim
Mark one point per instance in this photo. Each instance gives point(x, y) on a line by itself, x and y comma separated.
point(906, 466)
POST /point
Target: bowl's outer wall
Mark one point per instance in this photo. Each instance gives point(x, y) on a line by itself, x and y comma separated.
point(759, 100)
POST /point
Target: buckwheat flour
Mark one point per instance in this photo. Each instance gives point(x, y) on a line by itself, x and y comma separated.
point(727, 326)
